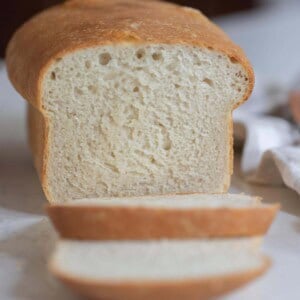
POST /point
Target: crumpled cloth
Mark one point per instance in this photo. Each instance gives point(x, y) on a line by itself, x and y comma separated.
point(270, 140)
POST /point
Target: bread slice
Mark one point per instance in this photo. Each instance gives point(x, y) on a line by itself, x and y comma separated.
point(163, 270)
point(128, 98)
point(155, 217)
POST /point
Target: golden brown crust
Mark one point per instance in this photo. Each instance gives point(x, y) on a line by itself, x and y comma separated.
point(88, 23)
point(88, 222)
point(37, 136)
point(189, 289)
point(79, 24)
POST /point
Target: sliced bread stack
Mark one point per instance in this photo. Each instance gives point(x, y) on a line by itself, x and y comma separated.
point(147, 247)
point(131, 98)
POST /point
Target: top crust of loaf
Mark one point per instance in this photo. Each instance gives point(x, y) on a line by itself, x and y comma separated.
point(79, 24)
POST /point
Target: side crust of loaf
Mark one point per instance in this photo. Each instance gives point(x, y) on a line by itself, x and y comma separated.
point(88, 222)
point(37, 136)
point(192, 289)
point(103, 23)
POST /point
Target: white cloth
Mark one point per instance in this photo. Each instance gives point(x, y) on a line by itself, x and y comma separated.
point(271, 144)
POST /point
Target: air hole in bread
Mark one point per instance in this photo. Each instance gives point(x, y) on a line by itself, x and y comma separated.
point(167, 145)
point(153, 160)
point(140, 53)
point(104, 58)
point(88, 64)
point(177, 86)
point(233, 60)
point(53, 75)
point(156, 56)
point(239, 74)
point(208, 82)
point(93, 89)
point(165, 138)
point(78, 91)
point(136, 89)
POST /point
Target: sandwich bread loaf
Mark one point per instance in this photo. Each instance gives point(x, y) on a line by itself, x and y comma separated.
point(128, 98)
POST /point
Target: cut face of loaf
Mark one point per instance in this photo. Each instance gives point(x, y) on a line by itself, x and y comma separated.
point(135, 106)
point(157, 270)
point(159, 217)
point(134, 120)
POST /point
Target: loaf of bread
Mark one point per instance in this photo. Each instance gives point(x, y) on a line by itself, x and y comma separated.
point(128, 98)
point(159, 217)
point(160, 270)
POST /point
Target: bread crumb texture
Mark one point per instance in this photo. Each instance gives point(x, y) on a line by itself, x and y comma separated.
point(130, 120)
